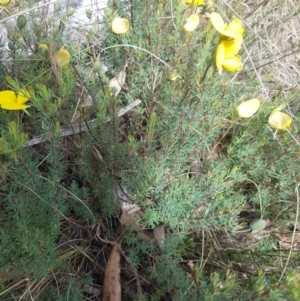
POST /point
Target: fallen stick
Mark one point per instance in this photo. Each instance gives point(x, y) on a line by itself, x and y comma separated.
point(80, 127)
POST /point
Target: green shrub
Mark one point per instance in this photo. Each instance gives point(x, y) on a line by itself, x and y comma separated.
point(183, 157)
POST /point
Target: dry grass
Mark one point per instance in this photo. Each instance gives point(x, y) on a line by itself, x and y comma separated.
point(272, 41)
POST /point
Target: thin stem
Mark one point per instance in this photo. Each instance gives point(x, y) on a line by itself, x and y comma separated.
point(139, 48)
point(293, 137)
point(83, 84)
point(294, 232)
point(259, 196)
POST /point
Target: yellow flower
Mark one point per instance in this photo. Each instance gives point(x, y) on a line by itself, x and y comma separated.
point(195, 2)
point(248, 108)
point(9, 100)
point(191, 23)
point(120, 25)
point(43, 46)
point(236, 27)
point(23, 96)
point(173, 76)
point(233, 64)
point(5, 2)
point(233, 30)
point(230, 44)
point(280, 121)
point(220, 56)
point(226, 57)
point(232, 47)
point(63, 57)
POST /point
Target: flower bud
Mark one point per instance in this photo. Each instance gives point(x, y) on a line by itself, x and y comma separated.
point(88, 13)
point(97, 66)
point(21, 22)
point(70, 11)
point(57, 7)
point(11, 46)
point(173, 76)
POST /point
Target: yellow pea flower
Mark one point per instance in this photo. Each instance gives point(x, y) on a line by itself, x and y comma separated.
point(233, 30)
point(191, 23)
point(226, 56)
point(233, 64)
point(23, 96)
point(14, 106)
point(195, 2)
point(9, 100)
point(230, 44)
point(5, 2)
point(43, 46)
point(227, 49)
point(220, 56)
point(232, 47)
point(280, 121)
point(120, 25)
point(63, 57)
point(248, 108)
point(236, 27)
point(173, 76)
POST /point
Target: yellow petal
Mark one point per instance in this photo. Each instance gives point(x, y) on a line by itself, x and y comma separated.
point(232, 47)
point(220, 26)
point(5, 2)
point(43, 46)
point(195, 2)
point(220, 56)
point(280, 121)
point(217, 21)
point(23, 96)
point(236, 27)
point(248, 108)
point(7, 96)
point(173, 76)
point(233, 64)
point(120, 25)
point(191, 23)
point(14, 106)
point(63, 57)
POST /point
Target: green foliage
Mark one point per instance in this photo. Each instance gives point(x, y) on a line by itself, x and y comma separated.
point(183, 156)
